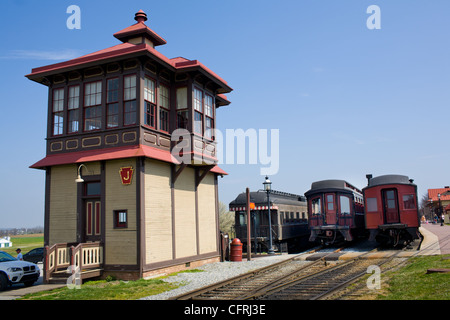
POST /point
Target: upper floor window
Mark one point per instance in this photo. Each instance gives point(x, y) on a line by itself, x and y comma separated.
point(150, 102)
point(182, 108)
point(129, 98)
point(92, 106)
point(164, 107)
point(198, 111)
point(73, 107)
point(58, 111)
point(209, 116)
point(112, 103)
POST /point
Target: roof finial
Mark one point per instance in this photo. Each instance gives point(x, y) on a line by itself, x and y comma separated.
point(140, 16)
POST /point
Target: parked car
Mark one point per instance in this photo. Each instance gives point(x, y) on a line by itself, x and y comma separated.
point(14, 271)
point(35, 255)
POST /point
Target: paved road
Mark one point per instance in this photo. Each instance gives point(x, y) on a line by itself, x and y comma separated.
point(443, 234)
point(19, 290)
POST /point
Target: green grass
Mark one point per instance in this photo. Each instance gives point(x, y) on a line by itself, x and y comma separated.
point(110, 290)
point(25, 243)
point(413, 283)
point(103, 290)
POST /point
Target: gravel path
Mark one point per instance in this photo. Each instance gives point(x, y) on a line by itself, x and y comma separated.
point(214, 272)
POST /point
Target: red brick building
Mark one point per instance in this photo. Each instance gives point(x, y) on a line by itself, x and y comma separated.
point(439, 202)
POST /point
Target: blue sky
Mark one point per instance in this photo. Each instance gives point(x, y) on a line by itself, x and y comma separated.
point(346, 100)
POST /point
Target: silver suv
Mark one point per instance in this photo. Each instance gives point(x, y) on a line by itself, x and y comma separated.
point(15, 271)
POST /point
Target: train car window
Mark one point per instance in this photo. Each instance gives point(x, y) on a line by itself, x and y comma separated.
point(371, 204)
point(242, 219)
point(345, 204)
point(408, 201)
point(330, 202)
point(390, 197)
point(316, 206)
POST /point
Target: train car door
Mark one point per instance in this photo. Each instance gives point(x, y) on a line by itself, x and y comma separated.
point(331, 208)
point(391, 211)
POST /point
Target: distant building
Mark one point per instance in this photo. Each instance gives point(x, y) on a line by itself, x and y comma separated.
point(439, 203)
point(5, 242)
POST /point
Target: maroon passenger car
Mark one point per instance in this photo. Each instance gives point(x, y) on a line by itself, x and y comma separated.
point(392, 214)
point(335, 211)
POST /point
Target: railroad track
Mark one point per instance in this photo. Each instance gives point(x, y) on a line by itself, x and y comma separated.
point(245, 286)
point(291, 279)
point(318, 284)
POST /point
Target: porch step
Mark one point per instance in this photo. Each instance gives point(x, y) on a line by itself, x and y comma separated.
point(60, 277)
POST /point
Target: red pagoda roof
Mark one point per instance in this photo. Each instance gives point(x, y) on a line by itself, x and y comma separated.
point(140, 29)
point(110, 154)
point(129, 50)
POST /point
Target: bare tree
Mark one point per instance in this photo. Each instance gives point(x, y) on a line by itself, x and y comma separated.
point(226, 219)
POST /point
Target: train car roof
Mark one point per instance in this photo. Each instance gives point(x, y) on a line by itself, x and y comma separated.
point(330, 186)
point(276, 197)
point(389, 179)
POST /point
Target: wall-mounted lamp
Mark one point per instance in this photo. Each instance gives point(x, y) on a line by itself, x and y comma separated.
point(79, 179)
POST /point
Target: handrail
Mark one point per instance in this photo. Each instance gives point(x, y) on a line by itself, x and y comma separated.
point(83, 256)
point(87, 255)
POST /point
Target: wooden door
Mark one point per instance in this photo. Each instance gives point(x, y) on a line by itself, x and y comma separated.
point(330, 205)
point(92, 222)
point(391, 206)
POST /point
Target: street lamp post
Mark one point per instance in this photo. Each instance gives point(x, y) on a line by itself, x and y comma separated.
point(267, 187)
point(440, 210)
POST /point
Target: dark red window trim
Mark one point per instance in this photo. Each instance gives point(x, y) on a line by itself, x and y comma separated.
point(129, 102)
point(118, 214)
point(75, 111)
point(150, 120)
point(58, 114)
point(111, 103)
point(98, 106)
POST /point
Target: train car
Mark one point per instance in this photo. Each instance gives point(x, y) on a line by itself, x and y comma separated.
point(289, 220)
point(391, 209)
point(335, 211)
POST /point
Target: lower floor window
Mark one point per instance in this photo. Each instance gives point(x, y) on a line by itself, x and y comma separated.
point(120, 218)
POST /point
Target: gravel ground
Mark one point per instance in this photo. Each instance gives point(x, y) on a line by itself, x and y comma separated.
point(214, 272)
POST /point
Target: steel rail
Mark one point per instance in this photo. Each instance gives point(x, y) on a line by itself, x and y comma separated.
point(271, 289)
point(195, 294)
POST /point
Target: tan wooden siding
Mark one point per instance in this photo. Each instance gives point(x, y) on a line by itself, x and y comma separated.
point(63, 204)
point(93, 168)
point(120, 244)
point(158, 211)
point(185, 225)
point(207, 215)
